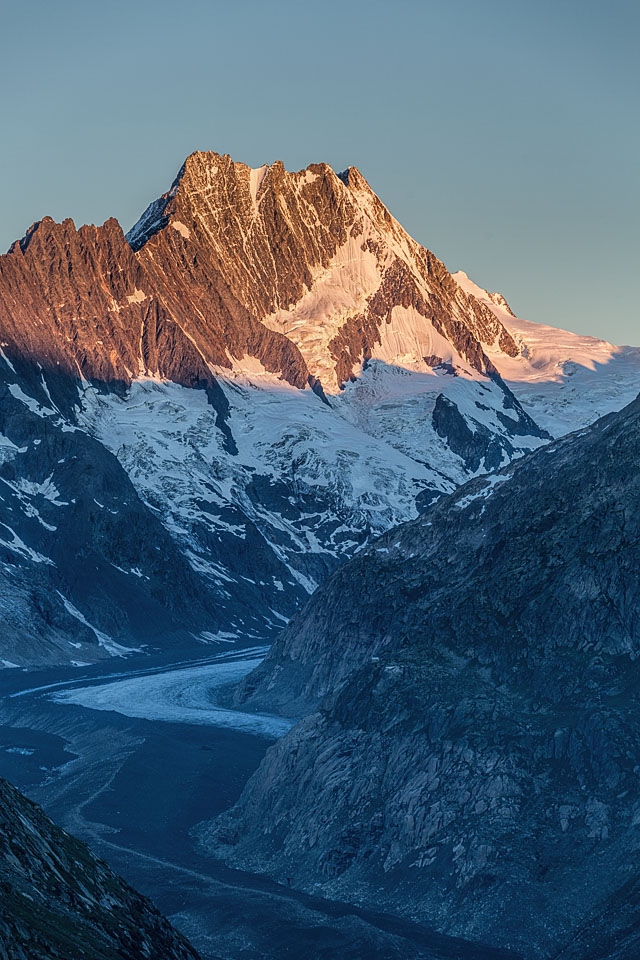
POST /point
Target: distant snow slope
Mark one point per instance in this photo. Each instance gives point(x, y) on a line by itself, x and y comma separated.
point(563, 379)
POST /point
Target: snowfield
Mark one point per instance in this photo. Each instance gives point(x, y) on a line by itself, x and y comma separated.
point(564, 380)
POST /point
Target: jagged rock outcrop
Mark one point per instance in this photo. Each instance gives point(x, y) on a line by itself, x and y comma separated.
point(59, 902)
point(470, 749)
point(475, 447)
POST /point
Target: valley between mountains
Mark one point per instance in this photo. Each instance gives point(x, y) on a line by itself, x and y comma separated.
point(318, 578)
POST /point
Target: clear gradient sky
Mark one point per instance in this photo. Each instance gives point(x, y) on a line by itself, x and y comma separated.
point(503, 135)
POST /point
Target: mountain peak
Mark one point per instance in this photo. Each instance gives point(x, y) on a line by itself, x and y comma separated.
point(352, 178)
point(265, 292)
point(317, 257)
point(494, 299)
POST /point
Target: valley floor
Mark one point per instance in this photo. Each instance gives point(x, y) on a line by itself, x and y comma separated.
point(133, 758)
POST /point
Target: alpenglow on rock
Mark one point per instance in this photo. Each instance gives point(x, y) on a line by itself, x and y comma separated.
point(201, 420)
point(470, 748)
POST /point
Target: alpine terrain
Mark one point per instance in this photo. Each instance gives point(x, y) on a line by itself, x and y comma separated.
point(201, 419)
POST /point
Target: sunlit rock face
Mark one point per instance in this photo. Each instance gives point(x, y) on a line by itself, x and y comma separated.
point(469, 749)
point(202, 419)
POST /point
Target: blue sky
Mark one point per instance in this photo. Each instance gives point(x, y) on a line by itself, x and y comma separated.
point(503, 135)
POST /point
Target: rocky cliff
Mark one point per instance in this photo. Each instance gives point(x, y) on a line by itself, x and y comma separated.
point(469, 753)
point(59, 902)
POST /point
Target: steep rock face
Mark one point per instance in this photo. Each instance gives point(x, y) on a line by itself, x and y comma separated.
point(59, 902)
point(472, 756)
point(256, 247)
point(69, 299)
point(264, 237)
point(207, 257)
point(72, 304)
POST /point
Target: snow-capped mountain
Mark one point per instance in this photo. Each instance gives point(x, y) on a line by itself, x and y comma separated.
point(562, 379)
point(200, 420)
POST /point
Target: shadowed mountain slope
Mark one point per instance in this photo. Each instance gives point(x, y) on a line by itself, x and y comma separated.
point(470, 752)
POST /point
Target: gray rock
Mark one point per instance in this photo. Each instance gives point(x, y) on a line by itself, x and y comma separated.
point(471, 745)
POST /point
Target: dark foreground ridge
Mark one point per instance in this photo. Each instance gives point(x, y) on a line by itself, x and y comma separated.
point(59, 902)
